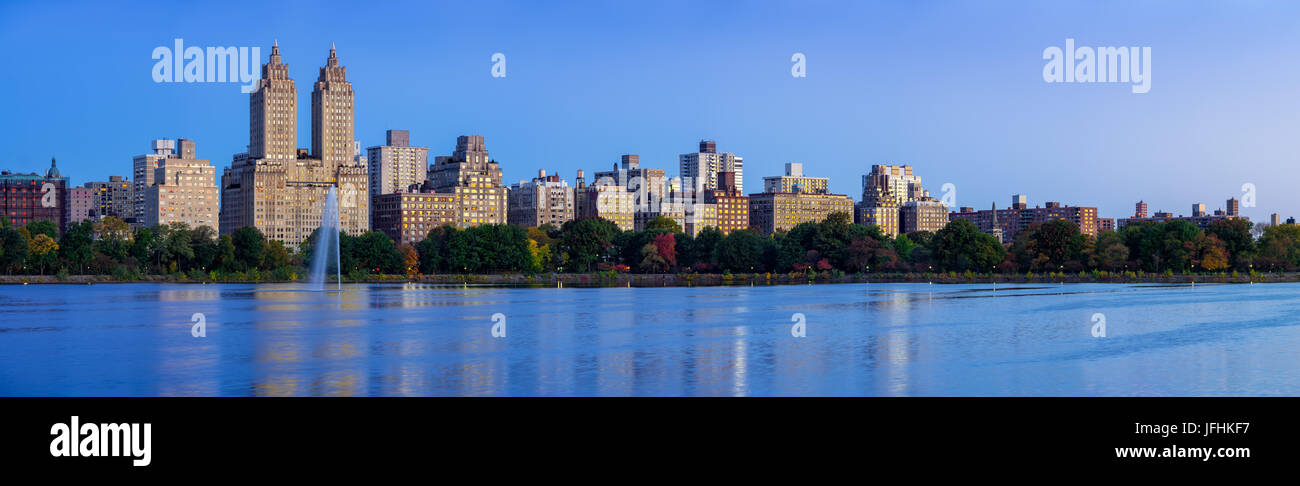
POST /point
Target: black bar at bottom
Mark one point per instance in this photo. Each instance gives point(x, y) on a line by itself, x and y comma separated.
point(396, 434)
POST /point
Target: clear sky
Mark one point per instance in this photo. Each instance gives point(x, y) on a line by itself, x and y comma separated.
point(955, 89)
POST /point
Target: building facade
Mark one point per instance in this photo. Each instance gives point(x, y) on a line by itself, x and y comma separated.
point(730, 205)
point(408, 217)
point(474, 178)
point(923, 215)
point(282, 192)
point(142, 172)
point(610, 202)
point(1020, 216)
point(396, 165)
point(700, 170)
point(546, 199)
point(795, 181)
point(770, 212)
point(32, 197)
point(184, 190)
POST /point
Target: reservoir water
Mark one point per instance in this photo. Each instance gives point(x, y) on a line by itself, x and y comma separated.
point(872, 339)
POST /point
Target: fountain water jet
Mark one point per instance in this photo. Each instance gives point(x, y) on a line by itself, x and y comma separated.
point(327, 243)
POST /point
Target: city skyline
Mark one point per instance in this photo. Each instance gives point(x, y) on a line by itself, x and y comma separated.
point(901, 95)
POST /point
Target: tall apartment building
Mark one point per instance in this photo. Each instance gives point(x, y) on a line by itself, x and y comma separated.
point(282, 190)
point(1233, 207)
point(648, 186)
point(184, 190)
point(474, 178)
point(31, 197)
point(396, 165)
point(114, 197)
point(923, 215)
point(546, 199)
point(1140, 211)
point(884, 192)
point(407, 217)
point(879, 208)
point(730, 205)
point(795, 181)
point(143, 168)
point(611, 202)
point(332, 114)
point(1020, 216)
point(273, 113)
point(701, 169)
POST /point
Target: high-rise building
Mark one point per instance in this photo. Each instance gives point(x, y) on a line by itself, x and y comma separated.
point(1141, 210)
point(31, 197)
point(332, 114)
point(700, 170)
point(730, 205)
point(795, 181)
point(1275, 219)
point(648, 186)
point(611, 202)
point(143, 168)
point(474, 178)
point(885, 190)
point(1198, 210)
point(1234, 207)
point(273, 113)
point(408, 217)
point(184, 190)
point(546, 199)
point(396, 165)
point(282, 191)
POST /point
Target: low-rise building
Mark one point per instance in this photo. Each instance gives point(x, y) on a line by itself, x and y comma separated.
point(408, 217)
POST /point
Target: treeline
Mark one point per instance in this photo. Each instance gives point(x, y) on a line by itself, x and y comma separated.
point(835, 245)
point(110, 246)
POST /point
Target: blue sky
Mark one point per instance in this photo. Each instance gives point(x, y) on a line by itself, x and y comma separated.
point(952, 88)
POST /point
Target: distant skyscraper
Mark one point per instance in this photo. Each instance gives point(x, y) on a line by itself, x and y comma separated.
point(1275, 219)
point(1141, 210)
point(1234, 207)
point(1198, 210)
point(702, 168)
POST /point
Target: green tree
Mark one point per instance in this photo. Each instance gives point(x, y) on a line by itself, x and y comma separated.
point(663, 223)
point(586, 241)
point(13, 249)
point(741, 251)
point(961, 246)
point(77, 244)
point(250, 248)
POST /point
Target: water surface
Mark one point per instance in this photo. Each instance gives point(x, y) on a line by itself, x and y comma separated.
point(861, 339)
